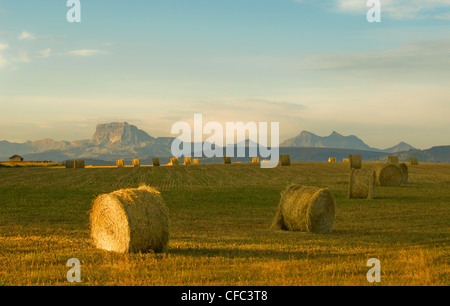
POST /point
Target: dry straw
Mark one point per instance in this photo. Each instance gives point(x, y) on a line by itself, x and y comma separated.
point(305, 208)
point(388, 175)
point(174, 161)
point(255, 160)
point(332, 160)
point(80, 164)
point(362, 184)
point(414, 161)
point(196, 161)
point(187, 161)
point(393, 159)
point(156, 162)
point(355, 161)
point(346, 160)
point(285, 160)
point(130, 220)
point(404, 168)
point(119, 163)
point(136, 162)
point(227, 160)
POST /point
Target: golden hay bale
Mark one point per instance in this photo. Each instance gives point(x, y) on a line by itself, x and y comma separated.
point(80, 164)
point(362, 184)
point(404, 168)
point(393, 159)
point(413, 161)
point(156, 162)
point(70, 164)
point(255, 160)
point(332, 160)
point(226, 160)
point(130, 220)
point(136, 162)
point(174, 161)
point(119, 163)
point(304, 208)
point(355, 161)
point(285, 160)
point(196, 161)
point(187, 161)
point(388, 175)
point(346, 160)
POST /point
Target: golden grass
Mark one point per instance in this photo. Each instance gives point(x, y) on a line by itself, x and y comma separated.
point(405, 227)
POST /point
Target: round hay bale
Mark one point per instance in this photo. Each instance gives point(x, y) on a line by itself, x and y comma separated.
point(304, 208)
point(285, 160)
point(393, 159)
point(80, 164)
point(187, 161)
point(362, 184)
point(388, 175)
point(404, 168)
point(130, 220)
point(120, 163)
point(355, 161)
point(136, 162)
point(156, 162)
point(413, 161)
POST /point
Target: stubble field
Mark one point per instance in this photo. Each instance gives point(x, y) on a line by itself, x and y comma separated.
point(220, 217)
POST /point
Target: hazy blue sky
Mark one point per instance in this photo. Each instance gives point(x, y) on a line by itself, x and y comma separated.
point(310, 65)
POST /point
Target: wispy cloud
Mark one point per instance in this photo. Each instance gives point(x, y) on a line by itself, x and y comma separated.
point(396, 9)
point(26, 36)
point(86, 52)
point(45, 53)
point(419, 57)
point(22, 57)
point(3, 46)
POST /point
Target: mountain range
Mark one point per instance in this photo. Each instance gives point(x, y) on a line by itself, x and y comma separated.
point(116, 140)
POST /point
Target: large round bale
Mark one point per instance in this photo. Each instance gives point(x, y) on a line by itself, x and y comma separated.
point(388, 175)
point(285, 160)
point(136, 163)
point(413, 161)
point(393, 159)
point(130, 220)
point(362, 184)
point(227, 160)
point(304, 208)
point(70, 164)
point(120, 163)
point(80, 164)
point(187, 161)
point(174, 161)
point(404, 168)
point(355, 161)
point(156, 162)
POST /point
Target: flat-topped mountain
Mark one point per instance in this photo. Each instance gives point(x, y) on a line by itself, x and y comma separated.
point(121, 134)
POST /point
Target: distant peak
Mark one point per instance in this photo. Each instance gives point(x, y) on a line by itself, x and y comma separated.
point(335, 134)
